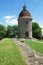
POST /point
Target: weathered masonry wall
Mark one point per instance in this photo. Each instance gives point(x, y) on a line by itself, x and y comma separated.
point(25, 25)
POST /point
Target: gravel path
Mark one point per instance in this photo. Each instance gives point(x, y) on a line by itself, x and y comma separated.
point(25, 51)
point(30, 56)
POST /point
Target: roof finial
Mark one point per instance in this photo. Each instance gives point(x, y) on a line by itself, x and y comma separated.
point(24, 7)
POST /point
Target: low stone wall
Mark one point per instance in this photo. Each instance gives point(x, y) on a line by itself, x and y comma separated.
point(32, 58)
point(35, 58)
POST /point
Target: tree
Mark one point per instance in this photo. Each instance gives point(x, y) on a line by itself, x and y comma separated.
point(36, 30)
point(9, 31)
point(12, 31)
point(15, 30)
point(2, 31)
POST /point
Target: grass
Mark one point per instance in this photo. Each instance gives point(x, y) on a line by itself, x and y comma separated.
point(41, 40)
point(38, 40)
point(38, 47)
point(9, 53)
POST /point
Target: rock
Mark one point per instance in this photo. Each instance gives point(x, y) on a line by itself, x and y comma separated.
point(36, 63)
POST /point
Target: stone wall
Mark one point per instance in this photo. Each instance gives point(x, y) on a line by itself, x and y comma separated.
point(25, 25)
point(34, 58)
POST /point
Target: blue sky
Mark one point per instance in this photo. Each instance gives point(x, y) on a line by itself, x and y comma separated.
point(10, 9)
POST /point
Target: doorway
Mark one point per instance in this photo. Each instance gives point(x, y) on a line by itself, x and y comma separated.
point(26, 34)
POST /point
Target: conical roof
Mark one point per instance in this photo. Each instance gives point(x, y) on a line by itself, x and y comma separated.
point(24, 13)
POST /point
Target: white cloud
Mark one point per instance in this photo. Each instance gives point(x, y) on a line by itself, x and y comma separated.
point(11, 20)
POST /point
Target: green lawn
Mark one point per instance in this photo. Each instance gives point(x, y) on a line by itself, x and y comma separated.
point(38, 40)
point(9, 53)
point(41, 40)
point(38, 47)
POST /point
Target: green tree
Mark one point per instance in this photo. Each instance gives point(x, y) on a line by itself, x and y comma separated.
point(36, 30)
point(3, 31)
point(15, 30)
point(9, 31)
point(12, 31)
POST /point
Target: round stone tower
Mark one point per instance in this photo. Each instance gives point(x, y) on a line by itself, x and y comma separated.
point(24, 24)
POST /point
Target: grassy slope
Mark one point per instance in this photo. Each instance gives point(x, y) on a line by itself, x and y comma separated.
point(41, 40)
point(38, 47)
point(9, 53)
point(38, 40)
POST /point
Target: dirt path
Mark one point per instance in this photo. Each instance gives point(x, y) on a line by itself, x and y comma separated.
point(25, 51)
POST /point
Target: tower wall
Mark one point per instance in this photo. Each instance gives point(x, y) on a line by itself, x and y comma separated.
point(25, 28)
